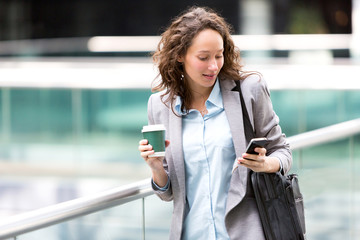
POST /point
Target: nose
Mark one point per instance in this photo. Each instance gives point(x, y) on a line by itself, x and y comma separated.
point(213, 66)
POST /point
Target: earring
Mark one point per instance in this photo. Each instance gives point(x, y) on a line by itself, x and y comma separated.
point(182, 77)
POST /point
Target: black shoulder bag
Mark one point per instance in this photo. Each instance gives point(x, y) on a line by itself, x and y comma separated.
point(278, 196)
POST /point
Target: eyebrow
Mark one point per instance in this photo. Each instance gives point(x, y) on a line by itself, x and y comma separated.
point(206, 51)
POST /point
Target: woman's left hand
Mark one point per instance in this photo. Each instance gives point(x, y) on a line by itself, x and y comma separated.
point(260, 162)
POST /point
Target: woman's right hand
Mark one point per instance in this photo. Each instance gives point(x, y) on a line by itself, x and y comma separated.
point(155, 163)
point(159, 175)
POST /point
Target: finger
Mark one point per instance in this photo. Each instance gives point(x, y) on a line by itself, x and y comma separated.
point(143, 148)
point(251, 164)
point(251, 157)
point(146, 154)
point(143, 142)
point(261, 151)
point(167, 143)
point(248, 163)
point(244, 161)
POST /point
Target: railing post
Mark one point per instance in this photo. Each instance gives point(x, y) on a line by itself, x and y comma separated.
point(143, 218)
point(6, 120)
point(76, 104)
point(352, 185)
point(300, 162)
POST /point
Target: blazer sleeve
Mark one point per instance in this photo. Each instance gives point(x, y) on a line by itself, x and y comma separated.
point(266, 124)
point(154, 107)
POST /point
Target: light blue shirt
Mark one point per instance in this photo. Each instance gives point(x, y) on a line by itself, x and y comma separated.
point(209, 155)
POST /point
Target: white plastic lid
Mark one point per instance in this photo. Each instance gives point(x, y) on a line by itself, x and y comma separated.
point(156, 127)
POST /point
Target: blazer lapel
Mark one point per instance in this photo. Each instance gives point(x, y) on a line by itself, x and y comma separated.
point(175, 124)
point(234, 115)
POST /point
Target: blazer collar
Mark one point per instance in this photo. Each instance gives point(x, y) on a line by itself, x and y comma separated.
point(233, 110)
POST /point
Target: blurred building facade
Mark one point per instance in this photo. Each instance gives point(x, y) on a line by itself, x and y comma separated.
point(32, 19)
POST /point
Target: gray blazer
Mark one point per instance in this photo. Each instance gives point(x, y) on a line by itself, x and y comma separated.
point(242, 218)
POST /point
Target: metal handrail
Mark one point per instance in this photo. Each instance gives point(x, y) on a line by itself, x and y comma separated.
point(44, 217)
point(326, 134)
point(52, 215)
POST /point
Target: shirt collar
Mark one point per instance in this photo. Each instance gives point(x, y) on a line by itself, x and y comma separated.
point(215, 98)
point(215, 95)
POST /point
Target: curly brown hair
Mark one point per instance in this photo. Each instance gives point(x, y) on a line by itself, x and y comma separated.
point(175, 42)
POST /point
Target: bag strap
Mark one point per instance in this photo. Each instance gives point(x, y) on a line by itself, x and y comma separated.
point(249, 131)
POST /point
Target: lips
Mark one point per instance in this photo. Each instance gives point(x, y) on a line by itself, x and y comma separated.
point(209, 76)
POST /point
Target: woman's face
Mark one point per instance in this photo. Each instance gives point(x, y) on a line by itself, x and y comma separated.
point(203, 60)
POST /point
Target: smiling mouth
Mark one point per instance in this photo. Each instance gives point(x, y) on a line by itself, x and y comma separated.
point(209, 75)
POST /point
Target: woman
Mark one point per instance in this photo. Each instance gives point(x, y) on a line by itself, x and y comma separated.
point(205, 170)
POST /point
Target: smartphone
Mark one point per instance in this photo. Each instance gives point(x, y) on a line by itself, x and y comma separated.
point(254, 143)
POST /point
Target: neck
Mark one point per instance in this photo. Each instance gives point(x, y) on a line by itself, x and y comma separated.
point(200, 97)
point(201, 93)
point(198, 101)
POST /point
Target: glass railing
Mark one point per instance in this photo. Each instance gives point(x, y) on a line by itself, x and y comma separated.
point(327, 161)
point(330, 180)
point(121, 222)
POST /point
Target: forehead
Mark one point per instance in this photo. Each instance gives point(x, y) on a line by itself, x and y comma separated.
point(207, 40)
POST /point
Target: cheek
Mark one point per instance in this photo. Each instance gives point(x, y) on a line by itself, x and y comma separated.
point(196, 65)
point(221, 63)
point(200, 66)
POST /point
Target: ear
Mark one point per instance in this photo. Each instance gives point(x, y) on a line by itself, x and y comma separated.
point(180, 59)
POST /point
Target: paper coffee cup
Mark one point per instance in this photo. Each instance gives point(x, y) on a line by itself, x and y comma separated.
point(155, 134)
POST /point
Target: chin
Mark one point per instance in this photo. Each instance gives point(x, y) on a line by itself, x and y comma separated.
point(209, 83)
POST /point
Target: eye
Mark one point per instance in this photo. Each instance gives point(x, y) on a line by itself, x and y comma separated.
point(219, 56)
point(203, 58)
